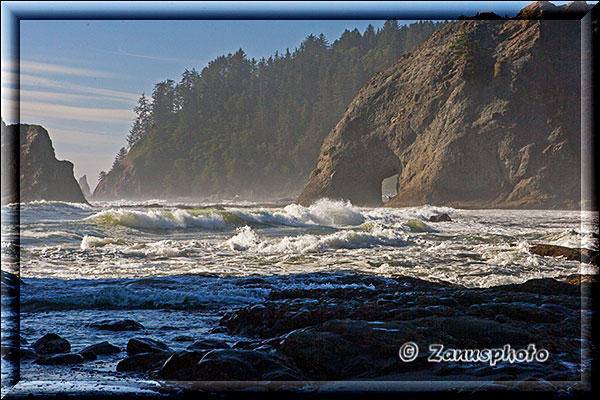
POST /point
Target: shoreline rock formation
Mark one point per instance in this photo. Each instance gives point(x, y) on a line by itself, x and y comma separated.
point(41, 175)
point(85, 187)
point(485, 114)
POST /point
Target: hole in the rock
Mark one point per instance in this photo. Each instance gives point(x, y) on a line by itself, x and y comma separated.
point(389, 187)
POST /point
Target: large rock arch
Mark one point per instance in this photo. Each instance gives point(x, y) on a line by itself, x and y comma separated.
point(497, 125)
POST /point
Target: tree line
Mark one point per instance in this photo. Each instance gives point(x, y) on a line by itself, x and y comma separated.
point(244, 126)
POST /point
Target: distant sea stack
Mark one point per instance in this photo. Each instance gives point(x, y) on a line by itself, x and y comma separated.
point(85, 188)
point(41, 175)
point(484, 114)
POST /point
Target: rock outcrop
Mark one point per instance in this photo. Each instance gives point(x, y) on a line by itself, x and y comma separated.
point(85, 188)
point(124, 181)
point(41, 175)
point(483, 114)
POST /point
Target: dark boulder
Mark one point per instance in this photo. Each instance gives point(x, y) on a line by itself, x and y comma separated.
point(118, 326)
point(549, 250)
point(343, 349)
point(146, 345)
point(484, 332)
point(183, 338)
point(179, 365)
point(142, 362)
point(51, 344)
point(61, 359)
point(440, 218)
point(99, 349)
point(13, 354)
point(208, 344)
point(242, 365)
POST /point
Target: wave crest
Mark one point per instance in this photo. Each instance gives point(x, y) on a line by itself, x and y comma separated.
point(157, 219)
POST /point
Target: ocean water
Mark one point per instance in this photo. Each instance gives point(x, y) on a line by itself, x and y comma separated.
point(176, 268)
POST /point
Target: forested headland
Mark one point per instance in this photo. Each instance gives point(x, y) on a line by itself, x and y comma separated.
point(250, 127)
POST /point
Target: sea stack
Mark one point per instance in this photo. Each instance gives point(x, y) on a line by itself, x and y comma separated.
point(85, 188)
point(41, 175)
point(483, 114)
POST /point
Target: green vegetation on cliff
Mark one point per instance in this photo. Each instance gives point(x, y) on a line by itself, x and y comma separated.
point(248, 127)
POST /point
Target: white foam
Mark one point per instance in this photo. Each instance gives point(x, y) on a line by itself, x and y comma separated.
point(247, 239)
point(157, 219)
point(92, 242)
point(324, 213)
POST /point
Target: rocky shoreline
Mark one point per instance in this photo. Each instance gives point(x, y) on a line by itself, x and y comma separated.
point(355, 333)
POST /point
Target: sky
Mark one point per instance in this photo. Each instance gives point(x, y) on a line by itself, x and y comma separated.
point(80, 79)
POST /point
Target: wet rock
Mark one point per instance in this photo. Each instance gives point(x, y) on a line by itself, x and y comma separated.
point(183, 338)
point(484, 332)
point(208, 344)
point(543, 287)
point(516, 311)
point(13, 354)
point(142, 362)
point(548, 250)
point(440, 218)
point(146, 345)
point(27, 354)
point(51, 343)
point(99, 349)
point(577, 279)
point(343, 349)
point(61, 359)
point(88, 355)
point(242, 365)
point(118, 326)
point(179, 365)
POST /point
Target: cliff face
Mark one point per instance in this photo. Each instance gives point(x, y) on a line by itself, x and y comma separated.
point(123, 182)
point(41, 175)
point(484, 114)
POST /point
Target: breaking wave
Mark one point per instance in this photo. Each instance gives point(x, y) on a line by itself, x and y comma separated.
point(247, 240)
point(155, 219)
point(322, 213)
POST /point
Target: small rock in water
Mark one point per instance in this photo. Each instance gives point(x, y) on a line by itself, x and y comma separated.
point(229, 364)
point(146, 345)
point(61, 359)
point(440, 218)
point(118, 326)
point(179, 365)
point(142, 362)
point(549, 250)
point(183, 338)
point(103, 348)
point(51, 344)
point(13, 354)
point(208, 344)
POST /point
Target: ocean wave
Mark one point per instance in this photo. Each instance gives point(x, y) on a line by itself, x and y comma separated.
point(157, 219)
point(322, 213)
point(572, 238)
point(48, 205)
point(92, 242)
point(247, 240)
point(115, 296)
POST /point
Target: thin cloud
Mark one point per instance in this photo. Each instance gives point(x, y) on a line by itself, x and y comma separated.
point(11, 94)
point(120, 52)
point(56, 69)
point(38, 81)
point(34, 110)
